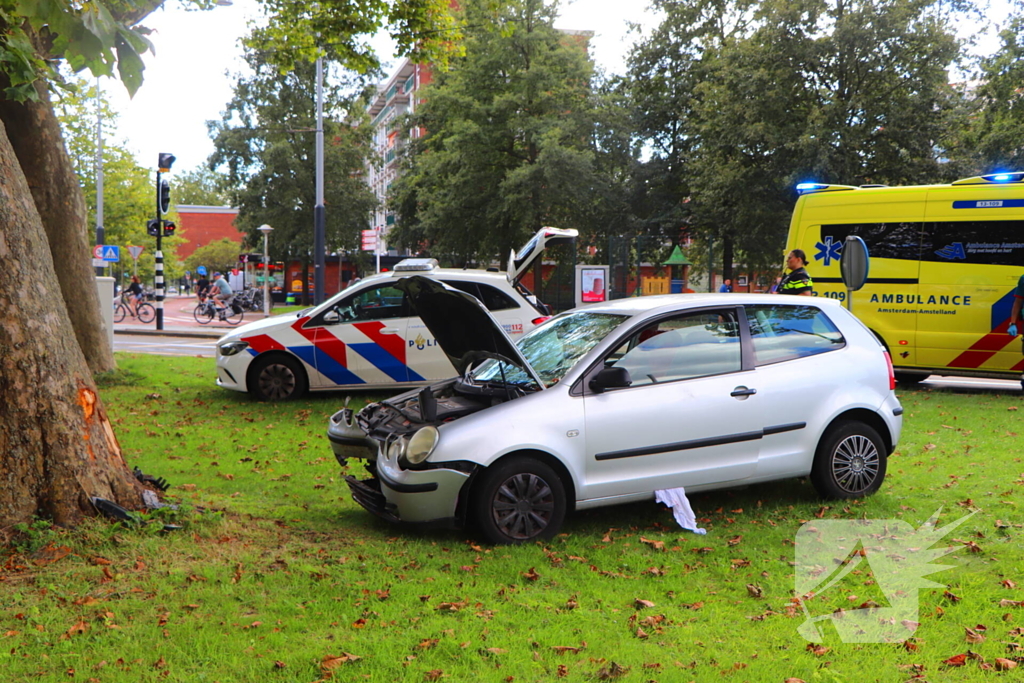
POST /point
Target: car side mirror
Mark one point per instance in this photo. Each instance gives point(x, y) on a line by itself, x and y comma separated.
point(610, 378)
point(331, 317)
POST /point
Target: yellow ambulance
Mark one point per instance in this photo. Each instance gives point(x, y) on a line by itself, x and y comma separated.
point(945, 261)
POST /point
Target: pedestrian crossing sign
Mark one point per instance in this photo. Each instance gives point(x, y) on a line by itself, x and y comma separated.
point(111, 253)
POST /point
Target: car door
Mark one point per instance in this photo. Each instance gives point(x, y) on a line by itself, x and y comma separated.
point(362, 339)
point(685, 420)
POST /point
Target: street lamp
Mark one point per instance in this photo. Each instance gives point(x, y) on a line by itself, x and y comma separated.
point(266, 229)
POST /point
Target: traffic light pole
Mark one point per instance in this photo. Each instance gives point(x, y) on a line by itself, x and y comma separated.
point(159, 259)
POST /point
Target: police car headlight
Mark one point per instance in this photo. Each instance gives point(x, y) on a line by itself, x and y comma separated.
point(421, 445)
point(396, 449)
point(231, 348)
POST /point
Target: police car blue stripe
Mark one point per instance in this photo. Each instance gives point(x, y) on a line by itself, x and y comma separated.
point(325, 365)
point(386, 363)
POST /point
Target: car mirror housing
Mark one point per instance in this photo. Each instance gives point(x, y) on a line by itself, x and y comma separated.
point(610, 378)
point(331, 317)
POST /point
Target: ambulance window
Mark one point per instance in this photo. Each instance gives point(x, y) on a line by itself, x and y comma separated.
point(884, 240)
point(995, 243)
point(781, 333)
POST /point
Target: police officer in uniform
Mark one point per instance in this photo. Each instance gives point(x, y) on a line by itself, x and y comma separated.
point(796, 281)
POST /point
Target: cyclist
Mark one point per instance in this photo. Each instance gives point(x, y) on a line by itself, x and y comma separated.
point(221, 292)
point(134, 295)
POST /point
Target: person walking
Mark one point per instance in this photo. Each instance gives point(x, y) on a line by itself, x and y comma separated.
point(797, 280)
point(726, 286)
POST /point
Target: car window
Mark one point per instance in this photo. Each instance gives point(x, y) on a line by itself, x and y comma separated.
point(491, 297)
point(374, 303)
point(781, 333)
point(683, 347)
point(553, 348)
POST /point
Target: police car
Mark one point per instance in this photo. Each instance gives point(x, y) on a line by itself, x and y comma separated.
point(367, 337)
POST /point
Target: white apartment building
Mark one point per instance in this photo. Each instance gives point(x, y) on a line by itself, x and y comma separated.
point(395, 98)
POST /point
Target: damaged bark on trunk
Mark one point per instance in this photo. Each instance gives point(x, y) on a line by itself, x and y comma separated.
point(57, 448)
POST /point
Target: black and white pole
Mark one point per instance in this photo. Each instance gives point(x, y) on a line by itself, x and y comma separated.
point(319, 218)
point(163, 203)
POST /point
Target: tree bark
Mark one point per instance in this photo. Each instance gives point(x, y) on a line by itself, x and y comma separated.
point(34, 132)
point(57, 447)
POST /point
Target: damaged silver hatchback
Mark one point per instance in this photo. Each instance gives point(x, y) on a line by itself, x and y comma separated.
point(610, 403)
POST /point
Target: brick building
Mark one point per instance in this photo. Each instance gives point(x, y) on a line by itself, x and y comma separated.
point(201, 225)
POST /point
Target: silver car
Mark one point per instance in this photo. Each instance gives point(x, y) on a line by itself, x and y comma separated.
point(609, 403)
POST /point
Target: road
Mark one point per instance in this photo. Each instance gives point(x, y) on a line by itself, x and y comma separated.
point(165, 344)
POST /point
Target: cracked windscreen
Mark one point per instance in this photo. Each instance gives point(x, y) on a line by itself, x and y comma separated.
point(553, 348)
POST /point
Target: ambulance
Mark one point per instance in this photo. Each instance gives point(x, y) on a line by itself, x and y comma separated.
point(944, 265)
point(367, 337)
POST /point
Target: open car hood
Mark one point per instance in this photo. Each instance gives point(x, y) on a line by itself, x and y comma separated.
point(462, 326)
point(518, 263)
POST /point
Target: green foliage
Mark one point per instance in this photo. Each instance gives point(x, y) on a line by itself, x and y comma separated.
point(509, 137)
point(221, 255)
point(761, 95)
point(200, 186)
point(265, 145)
point(128, 188)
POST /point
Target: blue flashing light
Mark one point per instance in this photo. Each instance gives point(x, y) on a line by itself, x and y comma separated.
point(1014, 177)
point(810, 187)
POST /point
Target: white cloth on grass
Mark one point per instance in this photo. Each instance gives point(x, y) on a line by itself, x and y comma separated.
point(681, 510)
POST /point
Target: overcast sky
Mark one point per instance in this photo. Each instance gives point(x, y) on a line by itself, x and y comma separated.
point(186, 83)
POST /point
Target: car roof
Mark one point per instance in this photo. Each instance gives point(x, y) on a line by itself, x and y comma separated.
point(496, 278)
point(633, 306)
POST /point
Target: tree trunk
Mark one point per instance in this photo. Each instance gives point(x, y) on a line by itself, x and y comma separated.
point(727, 257)
point(57, 447)
point(35, 134)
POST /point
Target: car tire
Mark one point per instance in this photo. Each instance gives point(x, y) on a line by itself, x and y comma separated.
point(517, 501)
point(277, 378)
point(850, 461)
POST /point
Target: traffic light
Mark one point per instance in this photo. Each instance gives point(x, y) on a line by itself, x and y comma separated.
point(165, 161)
point(153, 227)
point(164, 197)
point(169, 228)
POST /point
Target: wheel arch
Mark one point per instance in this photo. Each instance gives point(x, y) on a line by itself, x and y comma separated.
point(868, 417)
point(268, 356)
point(551, 461)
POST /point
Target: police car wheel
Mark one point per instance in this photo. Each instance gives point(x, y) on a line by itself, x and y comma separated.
point(277, 378)
point(850, 461)
point(518, 500)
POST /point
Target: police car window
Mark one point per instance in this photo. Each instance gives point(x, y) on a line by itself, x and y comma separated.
point(685, 347)
point(492, 298)
point(781, 333)
point(375, 303)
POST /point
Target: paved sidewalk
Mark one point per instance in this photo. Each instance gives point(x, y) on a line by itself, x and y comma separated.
point(180, 322)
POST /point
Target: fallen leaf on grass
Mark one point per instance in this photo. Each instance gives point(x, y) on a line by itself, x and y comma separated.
point(973, 636)
point(433, 675)
point(1011, 603)
point(452, 606)
point(563, 649)
point(531, 575)
point(1003, 664)
point(816, 649)
point(734, 541)
point(613, 670)
point(563, 671)
point(329, 663)
point(956, 660)
point(642, 604)
point(754, 591)
point(949, 596)
point(654, 571)
point(427, 643)
point(656, 545)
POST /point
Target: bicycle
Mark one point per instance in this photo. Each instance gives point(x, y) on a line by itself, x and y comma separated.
point(146, 311)
point(207, 311)
point(251, 299)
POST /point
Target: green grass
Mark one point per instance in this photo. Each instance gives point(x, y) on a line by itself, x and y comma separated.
point(277, 569)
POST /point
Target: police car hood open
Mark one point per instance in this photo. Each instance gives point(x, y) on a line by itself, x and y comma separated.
point(462, 326)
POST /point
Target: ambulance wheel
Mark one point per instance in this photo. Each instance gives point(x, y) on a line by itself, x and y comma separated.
point(277, 377)
point(850, 461)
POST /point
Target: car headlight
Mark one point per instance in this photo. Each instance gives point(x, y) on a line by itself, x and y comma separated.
point(421, 445)
point(396, 449)
point(231, 348)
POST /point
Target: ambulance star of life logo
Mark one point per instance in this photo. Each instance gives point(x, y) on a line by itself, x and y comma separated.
point(829, 250)
point(884, 555)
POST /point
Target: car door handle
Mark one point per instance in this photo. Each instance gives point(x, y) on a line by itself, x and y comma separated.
point(742, 391)
point(389, 330)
